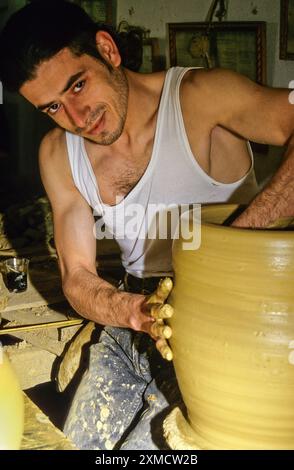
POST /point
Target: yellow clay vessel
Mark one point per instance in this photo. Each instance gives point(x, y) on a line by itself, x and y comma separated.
point(233, 336)
point(11, 407)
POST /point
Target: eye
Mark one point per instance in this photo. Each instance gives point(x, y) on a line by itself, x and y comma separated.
point(53, 108)
point(78, 86)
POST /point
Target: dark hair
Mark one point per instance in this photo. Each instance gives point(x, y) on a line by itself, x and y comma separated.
point(40, 30)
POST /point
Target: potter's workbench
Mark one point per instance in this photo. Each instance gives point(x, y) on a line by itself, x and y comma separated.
point(34, 356)
point(42, 303)
point(40, 433)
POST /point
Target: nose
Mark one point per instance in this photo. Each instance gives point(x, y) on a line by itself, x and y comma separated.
point(78, 114)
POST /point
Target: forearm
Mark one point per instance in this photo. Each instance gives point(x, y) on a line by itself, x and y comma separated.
point(99, 301)
point(277, 198)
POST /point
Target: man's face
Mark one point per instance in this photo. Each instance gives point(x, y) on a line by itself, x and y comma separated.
point(81, 95)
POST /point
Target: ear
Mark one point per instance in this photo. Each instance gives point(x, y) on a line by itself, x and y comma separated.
point(107, 48)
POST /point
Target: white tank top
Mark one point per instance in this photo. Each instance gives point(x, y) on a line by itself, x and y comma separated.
point(172, 177)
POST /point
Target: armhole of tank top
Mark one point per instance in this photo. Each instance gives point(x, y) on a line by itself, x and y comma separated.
point(98, 208)
point(69, 151)
point(186, 143)
point(182, 130)
point(251, 156)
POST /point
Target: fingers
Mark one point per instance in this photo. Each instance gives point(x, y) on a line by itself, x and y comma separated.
point(164, 288)
point(164, 349)
point(160, 312)
point(162, 292)
point(160, 330)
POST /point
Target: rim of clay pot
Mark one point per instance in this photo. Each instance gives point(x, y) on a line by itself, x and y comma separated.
point(207, 212)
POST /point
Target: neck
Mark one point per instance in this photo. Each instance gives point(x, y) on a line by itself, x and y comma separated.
point(143, 103)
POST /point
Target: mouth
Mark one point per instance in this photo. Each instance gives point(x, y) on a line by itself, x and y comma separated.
point(96, 128)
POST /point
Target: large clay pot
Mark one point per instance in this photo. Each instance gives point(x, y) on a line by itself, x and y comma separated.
point(11, 407)
point(233, 337)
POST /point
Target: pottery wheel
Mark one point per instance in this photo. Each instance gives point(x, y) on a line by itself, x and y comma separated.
point(179, 434)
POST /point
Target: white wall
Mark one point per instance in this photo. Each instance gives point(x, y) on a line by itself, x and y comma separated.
point(154, 14)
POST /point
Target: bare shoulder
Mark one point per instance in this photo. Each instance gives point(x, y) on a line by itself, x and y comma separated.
point(219, 85)
point(53, 144)
point(54, 164)
point(217, 78)
point(218, 93)
point(53, 154)
point(226, 98)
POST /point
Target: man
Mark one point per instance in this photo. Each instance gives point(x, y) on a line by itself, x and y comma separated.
point(176, 137)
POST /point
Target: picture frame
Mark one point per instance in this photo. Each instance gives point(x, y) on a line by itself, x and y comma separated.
point(236, 45)
point(287, 30)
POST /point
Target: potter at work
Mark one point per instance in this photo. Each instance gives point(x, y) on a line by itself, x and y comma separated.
point(156, 142)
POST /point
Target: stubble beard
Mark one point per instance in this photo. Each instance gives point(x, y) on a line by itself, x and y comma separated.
point(120, 87)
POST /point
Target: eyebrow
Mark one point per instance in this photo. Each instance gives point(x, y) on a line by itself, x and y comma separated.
point(69, 83)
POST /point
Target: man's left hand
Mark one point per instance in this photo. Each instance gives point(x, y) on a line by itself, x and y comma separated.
point(160, 311)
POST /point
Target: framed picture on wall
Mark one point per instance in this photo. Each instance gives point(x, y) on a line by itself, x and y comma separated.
point(287, 30)
point(240, 46)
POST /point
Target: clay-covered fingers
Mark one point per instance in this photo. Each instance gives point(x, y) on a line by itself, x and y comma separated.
point(164, 349)
point(160, 330)
point(162, 292)
point(160, 312)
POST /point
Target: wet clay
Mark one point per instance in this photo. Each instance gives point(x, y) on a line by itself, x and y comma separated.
point(11, 407)
point(233, 337)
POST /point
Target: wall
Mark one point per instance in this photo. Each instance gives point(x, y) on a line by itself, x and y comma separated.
point(154, 15)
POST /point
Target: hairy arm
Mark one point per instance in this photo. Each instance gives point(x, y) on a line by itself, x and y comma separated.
point(90, 295)
point(276, 200)
point(259, 114)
